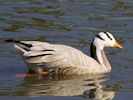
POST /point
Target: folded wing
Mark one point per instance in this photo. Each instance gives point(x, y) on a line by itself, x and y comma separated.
point(54, 55)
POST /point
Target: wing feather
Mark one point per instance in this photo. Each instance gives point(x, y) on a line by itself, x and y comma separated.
point(55, 55)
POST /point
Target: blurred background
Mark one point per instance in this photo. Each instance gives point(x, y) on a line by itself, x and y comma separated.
point(69, 22)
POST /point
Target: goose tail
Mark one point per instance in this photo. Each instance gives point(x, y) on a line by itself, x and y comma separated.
point(12, 41)
point(21, 46)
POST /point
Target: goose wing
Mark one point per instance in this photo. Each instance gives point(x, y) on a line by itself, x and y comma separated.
point(54, 55)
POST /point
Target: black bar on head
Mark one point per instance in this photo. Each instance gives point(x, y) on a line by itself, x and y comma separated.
point(98, 36)
point(108, 35)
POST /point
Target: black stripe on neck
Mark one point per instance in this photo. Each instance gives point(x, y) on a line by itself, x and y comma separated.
point(93, 52)
point(108, 35)
point(98, 36)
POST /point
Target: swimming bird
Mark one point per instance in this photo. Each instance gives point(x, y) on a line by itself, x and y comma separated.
point(44, 57)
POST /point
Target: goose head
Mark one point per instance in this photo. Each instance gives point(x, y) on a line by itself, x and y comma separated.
point(105, 39)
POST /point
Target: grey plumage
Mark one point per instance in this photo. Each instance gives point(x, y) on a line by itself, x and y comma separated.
point(57, 57)
point(62, 59)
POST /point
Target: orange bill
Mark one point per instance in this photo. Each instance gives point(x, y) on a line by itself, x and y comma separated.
point(117, 45)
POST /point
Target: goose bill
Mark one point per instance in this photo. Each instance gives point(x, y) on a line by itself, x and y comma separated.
point(117, 45)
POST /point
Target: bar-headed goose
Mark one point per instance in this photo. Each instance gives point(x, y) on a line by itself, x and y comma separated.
point(62, 59)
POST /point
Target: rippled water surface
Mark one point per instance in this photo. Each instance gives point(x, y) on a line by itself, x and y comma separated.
point(74, 23)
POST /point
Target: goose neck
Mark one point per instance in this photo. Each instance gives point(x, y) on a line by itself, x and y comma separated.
point(99, 55)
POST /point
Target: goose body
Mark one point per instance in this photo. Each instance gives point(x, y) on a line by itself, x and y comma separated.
point(62, 59)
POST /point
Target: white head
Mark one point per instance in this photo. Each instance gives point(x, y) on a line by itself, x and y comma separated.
point(105, 39)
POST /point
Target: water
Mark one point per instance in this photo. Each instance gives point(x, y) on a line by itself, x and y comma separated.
point(74, 23)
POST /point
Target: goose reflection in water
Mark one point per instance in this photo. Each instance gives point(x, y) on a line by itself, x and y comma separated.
point(73, 85)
